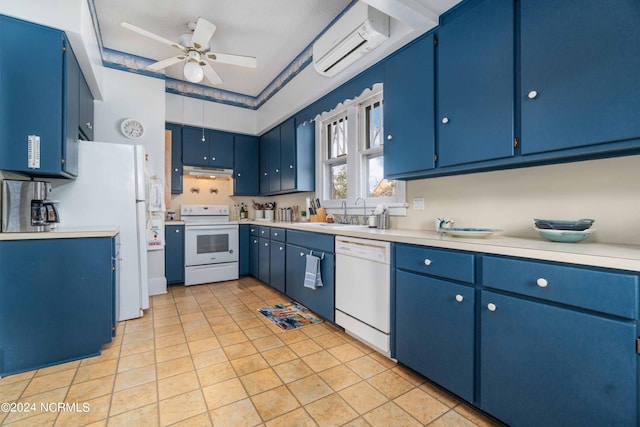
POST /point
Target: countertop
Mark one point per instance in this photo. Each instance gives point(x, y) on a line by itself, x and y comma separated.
point(623, 257)
point(63, 233)
point(174, 223)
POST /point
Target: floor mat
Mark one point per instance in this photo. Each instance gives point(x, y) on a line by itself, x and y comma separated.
point(289, 316)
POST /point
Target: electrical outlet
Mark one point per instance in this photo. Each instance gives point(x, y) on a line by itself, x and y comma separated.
point(418, 204)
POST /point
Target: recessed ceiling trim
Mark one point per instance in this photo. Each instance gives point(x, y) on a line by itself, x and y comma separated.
point(138, 65)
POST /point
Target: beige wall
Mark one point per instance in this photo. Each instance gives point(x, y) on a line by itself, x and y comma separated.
point(607, 190)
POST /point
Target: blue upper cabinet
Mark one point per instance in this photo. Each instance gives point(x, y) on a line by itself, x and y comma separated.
point(221, 149)
point(39, 100)
point(245, 169)
point(287, 155)
point(176, 157)
point(580, 74)
point(409, 147)
point(475, 84)
point(274, 160)
point(215, 151)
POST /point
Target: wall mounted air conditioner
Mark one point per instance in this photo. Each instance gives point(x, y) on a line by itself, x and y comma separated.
point(360, 30)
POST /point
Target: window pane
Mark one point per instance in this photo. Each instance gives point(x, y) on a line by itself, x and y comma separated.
point(377, 186)
point(373, 114)
point(338, 181)
point(337, 138)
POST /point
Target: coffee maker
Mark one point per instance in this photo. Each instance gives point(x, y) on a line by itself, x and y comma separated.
point(26, 207)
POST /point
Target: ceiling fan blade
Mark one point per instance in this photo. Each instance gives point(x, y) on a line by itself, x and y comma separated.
point(152, 36)
point(202, 34)
point(227, 58)
point(210, 74)
point(157, 66)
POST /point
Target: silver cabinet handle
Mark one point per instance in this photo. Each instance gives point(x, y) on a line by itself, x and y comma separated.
point(281, 248)
point(445, 120)
point(389, 137)
point(459, 298)
point(532, 95)
point(275, 234)
point(266, 173)
point(491, 306)
point(177, 231)
point(175, 170)
point(543, 283)
point(290, 166)
point(427, 262)
point(213, 158)
point(205, 157)
point(301, 253)
point(277, 170)
point(266, 244)
point(239, 174)
point(255, 242)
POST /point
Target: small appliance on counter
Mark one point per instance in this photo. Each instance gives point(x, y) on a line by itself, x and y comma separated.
point(27, 208)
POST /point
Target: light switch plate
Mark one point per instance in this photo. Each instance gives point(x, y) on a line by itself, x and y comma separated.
point(418, 203)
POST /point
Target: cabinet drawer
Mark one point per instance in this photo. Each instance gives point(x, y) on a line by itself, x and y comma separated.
point(436, 262)
point(277, 234)
point(604, 291)
point(254, 230)
point(264, 231)
point(306, 239)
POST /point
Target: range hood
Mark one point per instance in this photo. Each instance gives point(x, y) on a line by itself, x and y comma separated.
point(204, 172)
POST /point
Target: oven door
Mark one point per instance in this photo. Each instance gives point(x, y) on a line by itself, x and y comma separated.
point(210, 244)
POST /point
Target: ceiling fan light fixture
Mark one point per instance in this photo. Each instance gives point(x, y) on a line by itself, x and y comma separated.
point(193, 71)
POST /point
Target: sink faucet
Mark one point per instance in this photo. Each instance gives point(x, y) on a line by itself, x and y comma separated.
point(364, 209)
point(344, 216)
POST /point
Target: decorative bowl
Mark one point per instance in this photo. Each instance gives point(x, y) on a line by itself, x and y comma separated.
point(561, 224)
point(565, 236)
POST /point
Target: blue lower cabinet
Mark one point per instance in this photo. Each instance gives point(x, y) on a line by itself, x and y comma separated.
point(254, 255)
point(264, 266)
point(435, 330)
point(277, 265)
point(543, 365)
point(174, 254)
point(320, 300)
point(60, 306)
point(244, 245)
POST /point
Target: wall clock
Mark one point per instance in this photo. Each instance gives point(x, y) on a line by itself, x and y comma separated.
point(132, 128)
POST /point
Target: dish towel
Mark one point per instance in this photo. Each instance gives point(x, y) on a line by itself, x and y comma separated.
point(312, 278)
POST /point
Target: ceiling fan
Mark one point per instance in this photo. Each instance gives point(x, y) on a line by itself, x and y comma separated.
point(195, 48)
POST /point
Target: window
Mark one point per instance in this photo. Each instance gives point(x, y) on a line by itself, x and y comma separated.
point(350, 159)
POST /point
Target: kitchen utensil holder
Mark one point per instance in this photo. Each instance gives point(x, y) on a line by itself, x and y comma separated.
point(320, 216)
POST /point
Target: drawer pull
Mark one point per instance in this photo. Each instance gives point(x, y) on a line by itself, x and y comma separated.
point(266, 244)
point(491, 306)
point(281, 248)
point(427, 262)
point(542, 282)
point(459, 298)
point(301, 253)
point(275, 234)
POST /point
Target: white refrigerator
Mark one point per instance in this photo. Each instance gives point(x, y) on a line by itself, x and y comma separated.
point(111, 191)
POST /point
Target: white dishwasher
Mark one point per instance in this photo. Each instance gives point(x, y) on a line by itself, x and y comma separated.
point(363, 290)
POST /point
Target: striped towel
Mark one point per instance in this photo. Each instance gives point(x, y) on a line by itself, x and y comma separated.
point(312, 278)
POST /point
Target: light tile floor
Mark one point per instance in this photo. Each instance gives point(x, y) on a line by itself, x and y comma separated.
point(202, 355)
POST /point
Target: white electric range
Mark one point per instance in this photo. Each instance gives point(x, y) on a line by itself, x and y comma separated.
point(211, 244)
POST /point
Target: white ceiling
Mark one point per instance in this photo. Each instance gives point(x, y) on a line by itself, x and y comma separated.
point(274, 31)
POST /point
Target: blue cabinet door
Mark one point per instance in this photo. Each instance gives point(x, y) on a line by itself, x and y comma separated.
point(195, 151)
point(254, 255)
point(320, 300)
point(579, 68)
point(274, 160)
point(32, 100)
point(475, 85)
point(174, 254)
point(288, 155)
point(264, 266)
point(71, 101)
point(246, 166)
point(409, 147)
point(86, 110)
point(220, 149)
point(542, 365)
point(59, 306)
point(176, 157)
point(435, 330)
point(277, 265)
point(244, 243)
point(264, 164)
